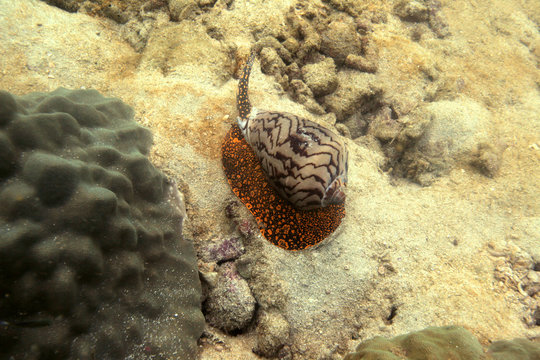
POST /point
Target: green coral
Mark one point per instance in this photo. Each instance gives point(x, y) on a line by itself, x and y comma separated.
point(443, 343)
point(432, 343)
point(92, 258)
point(517, 349)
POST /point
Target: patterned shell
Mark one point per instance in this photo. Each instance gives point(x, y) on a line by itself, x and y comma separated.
point(304, 161)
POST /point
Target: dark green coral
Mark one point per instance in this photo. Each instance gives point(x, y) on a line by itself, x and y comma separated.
point(517, 349)
point(443, 343)
point(433, 343)
point(92, 258)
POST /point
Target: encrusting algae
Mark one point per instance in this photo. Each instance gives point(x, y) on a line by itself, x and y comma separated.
point(288, 171)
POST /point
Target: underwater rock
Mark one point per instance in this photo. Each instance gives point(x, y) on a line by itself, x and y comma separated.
point(361, 63)
point(291, 44)
point(274, 44)
point(230, 306)
point(136, 17)
point(339, 40)
point(272, 334)
point(90, 230)
point(225, 249)
point(308, 38)
point(437, 22)
point(203, 50)
point(487, 158)
point(321, 77)
point(137, 32)
point(384, 126)
point(411, 10)
point(424, 11)
point(355, 92)
point(448, 342)
point(271, 63)
point(182, 9)
point(303, 95)
point(456, 125)
point(118, 11)
point(68, 5)
point(454, 130)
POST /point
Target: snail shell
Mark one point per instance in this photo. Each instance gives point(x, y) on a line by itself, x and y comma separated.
point(304, 161)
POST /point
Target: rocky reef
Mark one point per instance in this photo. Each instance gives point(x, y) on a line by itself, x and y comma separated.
point(94, 264)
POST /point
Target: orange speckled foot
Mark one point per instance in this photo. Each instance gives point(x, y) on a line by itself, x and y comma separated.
point(279, 221)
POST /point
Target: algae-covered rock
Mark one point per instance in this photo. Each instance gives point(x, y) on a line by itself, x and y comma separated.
point(224, 249)
point(271, 62)
point(436, 343)
point(182, 9)
point(321, 77)
point(361, 63)
point(487, 158)
point(413, 10)
point(272, 333)
point(230, 306)
point(91, 249)
point(341, 39)
point(355, 93)
point(68, 5)
point(424, 11)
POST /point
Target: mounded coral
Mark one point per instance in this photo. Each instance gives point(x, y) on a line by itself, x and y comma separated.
point(441, 343)
point(521, 349)
point(448, 342)
point(93, 260)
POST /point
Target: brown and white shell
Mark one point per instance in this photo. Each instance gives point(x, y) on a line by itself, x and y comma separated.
point(305, 162)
